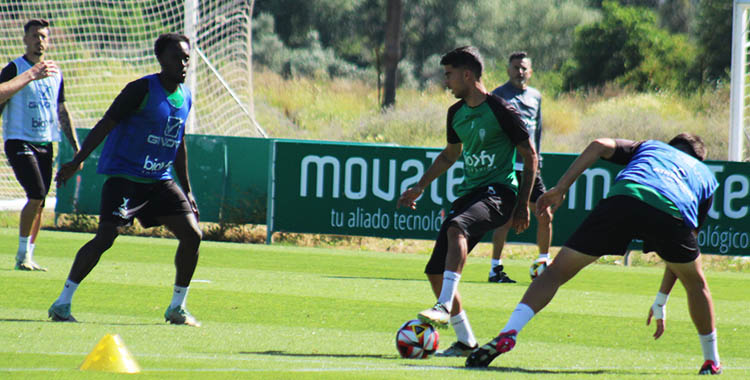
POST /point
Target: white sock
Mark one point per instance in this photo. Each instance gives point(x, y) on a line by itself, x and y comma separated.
point(23, 247)
point(30, 253)
point(495, 263)
point(709, 344)
point(66, 296)
point(179, 296)
point(461, 326)
point(519, 318)
point(450, 284)
point(544, 255)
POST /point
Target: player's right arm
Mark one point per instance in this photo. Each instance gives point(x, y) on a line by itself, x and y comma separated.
point(94, 138)
point(599, 148)
point(41, 70)
point(125, 104)
point(442, 163)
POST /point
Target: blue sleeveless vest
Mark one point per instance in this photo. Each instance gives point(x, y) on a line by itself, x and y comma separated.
point(678, 176)
point(145, 144)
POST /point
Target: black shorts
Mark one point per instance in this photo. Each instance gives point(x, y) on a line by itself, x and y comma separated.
point(32, 164)
point(123, 200)
point(537, 189)
point(616, 221)
point(475, 214)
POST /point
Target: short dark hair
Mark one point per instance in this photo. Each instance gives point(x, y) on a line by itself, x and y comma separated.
point(465, 57)
point(518, 55)
point(40, 22)
point(691, 144)
point(168, 38)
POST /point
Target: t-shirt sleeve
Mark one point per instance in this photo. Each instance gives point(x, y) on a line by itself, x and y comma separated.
point(8, 73)
point(451, 134)
point(624, 151)
point(509, 119)
point(128, 101)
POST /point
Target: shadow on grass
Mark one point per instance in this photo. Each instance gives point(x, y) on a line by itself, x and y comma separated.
point(560, 371)
point(83, 322)
point(316, 355)
point(413, 279)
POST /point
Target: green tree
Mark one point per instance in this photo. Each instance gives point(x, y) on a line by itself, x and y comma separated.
point(714, 36)
point(628, 46)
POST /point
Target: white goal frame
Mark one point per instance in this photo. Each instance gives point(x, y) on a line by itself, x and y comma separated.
point(738, 98)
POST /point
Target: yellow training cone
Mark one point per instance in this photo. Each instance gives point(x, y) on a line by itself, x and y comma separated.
point(110, 355)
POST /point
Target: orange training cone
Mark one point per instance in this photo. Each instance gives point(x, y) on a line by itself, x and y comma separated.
point(110, 355)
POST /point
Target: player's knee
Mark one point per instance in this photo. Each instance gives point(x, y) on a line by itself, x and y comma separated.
point(455, 233)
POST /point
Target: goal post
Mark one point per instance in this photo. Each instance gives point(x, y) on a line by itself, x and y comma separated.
point(739, 74)
point(101, 45)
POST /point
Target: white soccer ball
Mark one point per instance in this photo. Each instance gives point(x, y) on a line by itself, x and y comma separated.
point(416, 340)
point(537, 267)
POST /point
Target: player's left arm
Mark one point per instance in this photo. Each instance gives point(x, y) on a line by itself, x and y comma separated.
point(658, 309)
point(181, 169)
point(521, 217)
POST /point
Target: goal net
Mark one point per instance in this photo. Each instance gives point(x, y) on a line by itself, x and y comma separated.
point(101, 45)
point(739, 131)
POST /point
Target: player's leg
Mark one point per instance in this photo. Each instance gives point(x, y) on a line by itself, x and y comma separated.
point(543, 231)
point(45, 157)
point(541, 291)
point(466, 342)
point(86, 259)
point(179, 219)
point(700, 305)
point(448, 256)
point(497, 273)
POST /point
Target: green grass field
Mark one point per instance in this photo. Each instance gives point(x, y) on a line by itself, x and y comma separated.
point(287, 312)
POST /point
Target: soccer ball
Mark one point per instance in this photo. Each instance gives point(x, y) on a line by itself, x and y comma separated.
point(416, 340)
point(538, 267)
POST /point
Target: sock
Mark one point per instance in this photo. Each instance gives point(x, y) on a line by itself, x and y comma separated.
point(179, 296)
point(30, 253)
point(66, 296)
point(709, 344)
point(495, 263)
point(544, 255)
point(450, 284)
point(519, 318)
point(461, 326)
point(23, 247)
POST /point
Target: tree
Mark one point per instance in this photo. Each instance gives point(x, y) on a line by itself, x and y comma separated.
point(392, 49)
point(629, 47)
point(714, 35)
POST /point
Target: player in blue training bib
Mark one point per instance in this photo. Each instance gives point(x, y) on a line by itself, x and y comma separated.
point(662, 196)
point(144, 130)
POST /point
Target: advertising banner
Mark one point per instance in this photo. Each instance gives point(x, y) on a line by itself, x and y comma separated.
point(352, 189)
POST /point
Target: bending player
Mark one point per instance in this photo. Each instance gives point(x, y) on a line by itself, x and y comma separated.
point(661, 196)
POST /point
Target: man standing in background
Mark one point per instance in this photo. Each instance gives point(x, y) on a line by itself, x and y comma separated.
point(32, 100)
point(528, 101)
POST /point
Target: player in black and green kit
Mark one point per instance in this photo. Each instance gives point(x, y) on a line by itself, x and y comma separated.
point(487, 132)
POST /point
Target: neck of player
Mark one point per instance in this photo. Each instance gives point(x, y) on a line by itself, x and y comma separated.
point(168, 84)
point(477, 95)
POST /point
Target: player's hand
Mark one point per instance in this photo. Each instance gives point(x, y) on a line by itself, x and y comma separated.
point(661, 317)
point(521, 219)
point(193, 204)
point(409, 197)
point(66, 171)
point(43, 69)
point(553, 198)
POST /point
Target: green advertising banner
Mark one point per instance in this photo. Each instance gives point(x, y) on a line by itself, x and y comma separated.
point(351, 189)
